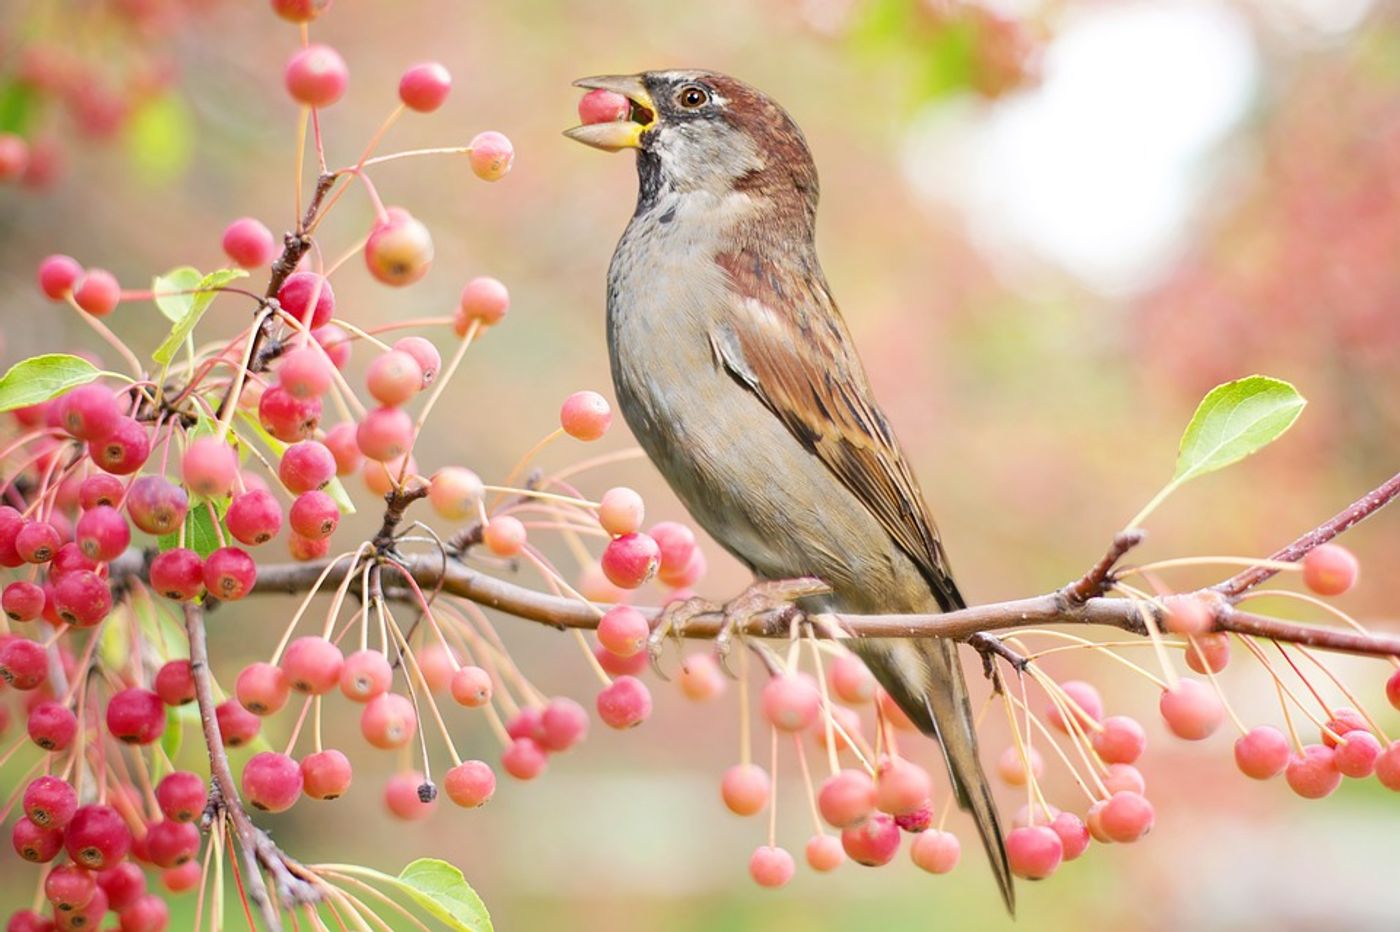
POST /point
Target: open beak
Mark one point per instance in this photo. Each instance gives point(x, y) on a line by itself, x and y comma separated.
point(619, 134)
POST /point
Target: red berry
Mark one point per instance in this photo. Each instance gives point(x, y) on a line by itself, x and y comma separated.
point(287, 417)
point(1208, 652)
point(313, 665)
point(1357, 757)
point(846, 798)
point(148, 912)
point(262, 688)
point(156, 505)
point(124, 450)
point(484, 300)
point(254, 517)
point(935, 851)
point(1392, 689)
point(23, 664)
point(1121, 740)
point(620, 511)
point(1074, 834)
point(82, 598)
point(1343, 722)
point(388, 721)
point(271, 781)
point(364, 675)
point(181, 879)
point(178, 574)
point(88, 412)
point(1124, 777)
point(524, 759)
point(175, 682)
point(504, 536)
point(873, 842)
point(1314, 773)
point(406, 797)
point(471, 687)
point(102, 534)
point(700, 677)
point(299, 291)
point(229, 573)
point(745, 789)
point(771, 867)
point(306, 466)
point(37, 542)
point(470, 784)
point(97, 292)
point(69, 888)
point(901, 786)
point(170, 844)
point(623, 630)
point(424, 87)
point(1192, 710)
point(57, 275)
point(325, 774)
point(824, 853)
point(791, 702)
point(23, 601)
point(630, 560)
point(585, 416)
point(317, 76)
point(237, 726)
point(102, 489)
point(455, 492)
point(1330, 569)
point(34, 842)
point(848, 676)
point(1126, 817)
point(1189, 614)
point(624, 704)
point(563, 723)
point(249, 243)
point(50, 802)
point(69, 559)
point(181, 796)
point(600, 106)
point(340, 440)
point(1262, 753)
point(136, 716)
point(385, 434)
point(15, 157)
point(305, 372)
point(97, 837)
point(394, 377)
point(1388, 767)
point(123, 883)
point(424, 353)
point(52, 726)
point(399, 251)
point(1083, 696)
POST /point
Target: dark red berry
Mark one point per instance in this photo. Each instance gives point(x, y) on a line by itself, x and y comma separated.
point(136, 716)
point(178, 574)
point(97, 837)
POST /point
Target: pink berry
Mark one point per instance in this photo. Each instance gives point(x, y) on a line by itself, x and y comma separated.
point(384, 434)
point(1192, 710)
point(38, 541)
point(170, 844)
point(102, 489)
point(424, 87)
point(399, 251)
point(69, 888)
point(1388, 767)
point(237, 726)
point(314, 515)
point(23, 663)
point(1126, 817)
point(404, 796)
point(305, 372)
point(873, 842)
point(88, 412)
point(1343, 722)
point(365, 675)
point(209, 467)
point(1313, 774)
point(623, 630)
point(23, 601)
point(850, 680)
point(182, 796)
point(491, 155)
point(935, 851)
point(771, 867)
point(526, 723)
point(97, 837)
point(1083, 703)
point(504, 536)
point(585, 416)
point(102, 534)
point(306, 466)
point(791, 702)
point(388, 721)
point(148, 912)
point(135, 716)
point(485, 301)
point(97, 292)
point(745, 789)
point(156, 505)
point(677, 545)
point(50, 802)
point(124, 450)
point(824, 853)
point(624, 704)
point(313, 665)
point(34, 842)
point(630, 560)
point(620, 511)
point(175, 682)
point(846, 798)
point(317, 76)
point(700, 678)
point(177, 573)
point(470, 784)
point(1034, 852)
point(181, 879)
point(124, 885)
point(1188, 614)
point(394, 377)
point(262, 688)
point(248, 243)
point(300, 290)
point(1013, 769)
point(901, 786)
point(82, 598)
point(340, 440)
point(1392, 689)
point(272, 782)
point(1208, 652)
point(229, 573)
point(1074, 834)
point(455, 492)
point(1330, 569)
point(1124, 777)
point(1121, 740)
point(471, 686)
point(52, 726)
point(57, 275)
point(15, 157)
point(336, 342)
point(524, 759)
point(600, 106)
point(1357, 757)
point(254, 517)
point(563, 723)
point(325, 774)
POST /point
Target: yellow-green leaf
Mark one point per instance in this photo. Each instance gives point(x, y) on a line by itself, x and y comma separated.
point(173, 292)
point(1235, 420)
point(435, 886)
point(40, 378)
point(206, 290)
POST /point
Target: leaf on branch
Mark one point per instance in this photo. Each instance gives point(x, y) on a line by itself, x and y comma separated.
point(40, 378)
point(205, 290)
point(173, 292)
point(201, 535)
point(435, 886)
point(1235, 420)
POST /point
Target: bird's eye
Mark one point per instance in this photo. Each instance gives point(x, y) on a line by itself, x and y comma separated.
point(692, 96)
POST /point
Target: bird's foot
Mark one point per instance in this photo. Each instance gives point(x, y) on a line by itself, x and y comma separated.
point(776, 596)
point(675, 615)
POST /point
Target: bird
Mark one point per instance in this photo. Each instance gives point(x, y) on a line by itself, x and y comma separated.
point(738, 376)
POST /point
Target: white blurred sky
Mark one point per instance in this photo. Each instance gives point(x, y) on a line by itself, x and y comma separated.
point(1099, 168)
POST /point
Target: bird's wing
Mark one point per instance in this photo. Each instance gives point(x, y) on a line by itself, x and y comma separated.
point(785, 341)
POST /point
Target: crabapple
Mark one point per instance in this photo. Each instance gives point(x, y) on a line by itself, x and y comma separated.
point(237, 726)
point(623, 630)
point(305, 372)
point(600, 106)
point(177, 573)
point(50, 802)
point(254, 517)
point(846, 798)
point(1013, 769)
point(385, 433)
point(585, 415)
point(1262, 753)
point(1120, 740)
point(300, 11)
point(170, 844)
point(873, 842)
point(22, 600)
point(1034, 852)
point(471, 687)
point(69, 887)
point(271, 781)
point(314, 515)
point(1388, 767)
point(57, 275)
point(394, 377)
point(1074, 834)
point(364, 675)
point(175, 682)
point(102, 534)
point(97, 836)
point(1357, 757)
point(148, 912)
point(399, 251)
point(1343, 722)
point(88, 412)
point(620, 511)
point(491, 155)
point(563, 723)
point(504, 536)
point(124, 450)
point(135, 715)
point(1082, 700)
point(470, 784)
point(676, 543)
point(23, 664)
point(1313, 774)
point(403, 796)
point(1188, 614)
point(624, 704)
point(249, 243)
point(306, 466)
point(1208, 652)
point(156, 505)
point(316, 76)
point(424, 87)
point(287, 417)
point(700, 677)
point(123, 883)
point(34, 842)
point(745, 789)
point(901, 786)
point(181, 796)
point(209, 467)
point(1123, 777)
point(388, 721)
point(340, 440)
point(262, 688)
point(313, 665)
point(936, 851)
point(1330, 569)
point(52, 726)
point(824, 853)
point(848, 677)
point(1191, 709)
point(630, 560)
point(102, 489)
point(455, 492)
point(524, 759)
point(82, 598)
point(14, 157)
point(1127, 817)
point(325, 774)
point(771, 866)
point(38, 541)
point(298, 292)
point(97, 292)
point(485, 300)
point(336, 342)
point(229, 573)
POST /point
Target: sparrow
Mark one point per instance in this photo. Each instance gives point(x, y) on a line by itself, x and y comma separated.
point(736, 373)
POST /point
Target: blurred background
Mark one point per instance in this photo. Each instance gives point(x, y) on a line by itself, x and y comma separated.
point(1051, 226)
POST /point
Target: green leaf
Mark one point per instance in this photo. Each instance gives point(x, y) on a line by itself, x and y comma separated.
point(441, 889)
point(200, 533)
point(1235, 420)
point(165, 287)
point(40, 378)
point(204, 295)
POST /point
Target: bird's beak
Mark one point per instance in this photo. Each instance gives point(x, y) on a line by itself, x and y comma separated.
point(619, 134)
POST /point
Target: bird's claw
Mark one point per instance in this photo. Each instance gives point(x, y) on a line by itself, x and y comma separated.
point(671, 622)
point(776, 596)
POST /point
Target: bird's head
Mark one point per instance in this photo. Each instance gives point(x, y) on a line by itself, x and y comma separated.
point(705, 131)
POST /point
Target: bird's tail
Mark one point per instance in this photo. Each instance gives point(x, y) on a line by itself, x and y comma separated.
point(925, 679)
